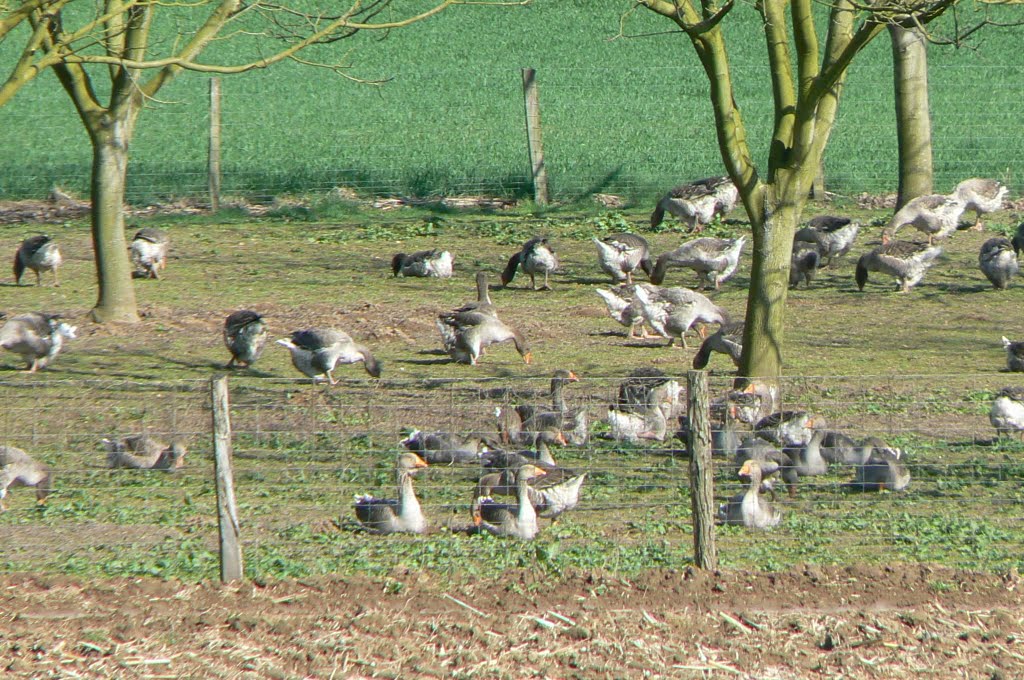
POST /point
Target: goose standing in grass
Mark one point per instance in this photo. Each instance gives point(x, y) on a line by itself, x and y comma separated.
point(905, 260)
point(803, 264)
point(40, 254)
point(981, 196)
point(424, 263)
point(317, 352)
point(38, 338)
point(619, 255)
point(935, 215)
point(1007, 412)
point(879, 468)
point(832, 234)
point(149, 252)
point(728, 340)
point(749, 509)
point(1014, 355)
point(245, 335)
point(142, 452)
point(672, 311)
point(535, 257)
point(17, 468)
point(623, 308)
point(401, 515)
point(714, 259)
point(466, 335)
point(517, 520)
point(1018, 239)
point(467, 331)
point(697, 203)
point(998, 262)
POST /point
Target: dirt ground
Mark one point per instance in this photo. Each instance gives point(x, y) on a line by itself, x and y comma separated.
point(854, 622)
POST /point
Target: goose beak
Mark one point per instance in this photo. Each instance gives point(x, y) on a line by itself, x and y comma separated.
point(573, 377)
point(528, 357)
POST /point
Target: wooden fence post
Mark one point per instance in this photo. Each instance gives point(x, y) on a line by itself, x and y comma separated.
point(702, 492)
point(213, 168)
point(230, 543)
point(533, 136)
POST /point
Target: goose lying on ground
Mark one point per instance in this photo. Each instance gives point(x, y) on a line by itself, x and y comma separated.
point(446, 448)
point(879, 468)
point(143, 452)
point(401, 515)
point(424, 263)
point(749, 509)
point(518, 520)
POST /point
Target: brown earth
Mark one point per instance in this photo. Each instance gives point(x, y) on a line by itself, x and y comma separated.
point(854, 622)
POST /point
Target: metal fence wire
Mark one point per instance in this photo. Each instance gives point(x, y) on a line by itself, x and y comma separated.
point(452, 132)
point(301, 453)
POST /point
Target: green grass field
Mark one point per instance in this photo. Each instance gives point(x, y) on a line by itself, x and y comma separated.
point(627, 116)
point(919, 370)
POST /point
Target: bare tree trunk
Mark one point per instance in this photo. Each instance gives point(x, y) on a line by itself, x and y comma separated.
point(113, 268)
point(913, 121)
point(766, 298)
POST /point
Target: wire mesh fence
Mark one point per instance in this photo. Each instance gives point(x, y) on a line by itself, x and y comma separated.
point(302, 453)
point(453, 132)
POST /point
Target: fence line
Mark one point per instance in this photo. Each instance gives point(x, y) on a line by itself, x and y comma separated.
point(380, 144)
point(301, 453)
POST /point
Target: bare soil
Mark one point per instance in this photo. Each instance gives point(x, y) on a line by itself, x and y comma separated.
point(853, 622)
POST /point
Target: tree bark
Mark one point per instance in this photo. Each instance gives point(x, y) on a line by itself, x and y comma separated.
point(913, 120)
point(116, 300)
point(769, 287)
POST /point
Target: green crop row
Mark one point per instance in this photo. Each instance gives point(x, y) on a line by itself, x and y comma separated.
point(627, 116)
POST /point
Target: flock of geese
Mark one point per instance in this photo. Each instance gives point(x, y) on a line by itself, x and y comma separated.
point(779, 444)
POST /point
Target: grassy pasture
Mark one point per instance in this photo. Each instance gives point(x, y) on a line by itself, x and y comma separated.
point(628, 116)
point(918, 369)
